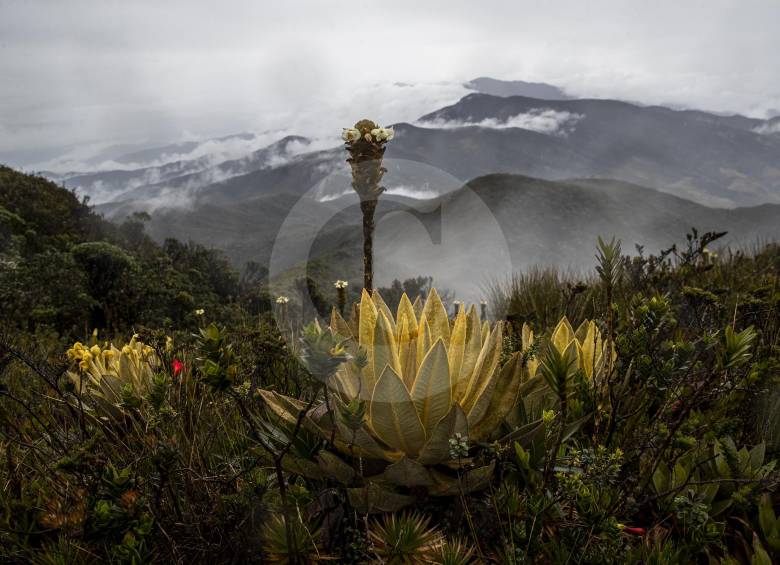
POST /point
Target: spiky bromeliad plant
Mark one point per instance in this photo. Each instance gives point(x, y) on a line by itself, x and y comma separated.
point(366, 146)
point(413, 382)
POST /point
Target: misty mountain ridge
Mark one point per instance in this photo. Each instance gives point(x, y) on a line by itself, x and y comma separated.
point(539, 222)
point(716, 160)
point(495, 87)
point(647, 174)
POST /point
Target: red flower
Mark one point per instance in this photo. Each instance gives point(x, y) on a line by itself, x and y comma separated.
point(177, 366)
point(636, 531)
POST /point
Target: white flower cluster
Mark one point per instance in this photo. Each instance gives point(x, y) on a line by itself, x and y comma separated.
point(350, 135)
point(200, 312)
point(383, 134)
point(282, 300)
point(341, 284)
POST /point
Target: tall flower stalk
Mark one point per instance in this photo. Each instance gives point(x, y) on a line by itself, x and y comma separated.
point(365, 144)
point(341, 293)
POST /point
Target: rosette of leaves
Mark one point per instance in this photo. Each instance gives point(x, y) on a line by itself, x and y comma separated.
point(115, 379)
point(415, 380)
point(591, 348)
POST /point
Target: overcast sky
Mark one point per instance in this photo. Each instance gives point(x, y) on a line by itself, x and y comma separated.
point(75, 72)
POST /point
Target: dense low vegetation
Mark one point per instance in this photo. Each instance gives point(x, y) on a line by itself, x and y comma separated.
point(627, 417)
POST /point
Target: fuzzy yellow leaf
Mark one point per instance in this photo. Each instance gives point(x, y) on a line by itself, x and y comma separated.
point(382, 307)
point(359, 442)
point(406, 311)
point(418, 306)
point(347, 382)
point(563, 335)
point(339, 325)
point(497, 401)
point(407, 352)
point(407, 473)
point(424, 340)
point(485, 331)
point(485, 368)
point(436, 314)
point(527, 336)
point(457, 346)
point(582, 330)
point(367, 320)
point(588, 350)
point(437, 448)
point(471, 351)
point(432, 391)
point(393, 416)
point(385, 350)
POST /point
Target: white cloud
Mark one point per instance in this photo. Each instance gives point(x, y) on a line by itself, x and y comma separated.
point(542, 120)
point(82, 72)
point(212, 151)
point(424, 193)
point(417, 193)
point(768, 128)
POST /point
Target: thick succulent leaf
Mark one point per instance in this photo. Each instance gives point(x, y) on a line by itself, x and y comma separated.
point(406, 310)
point(582, 330)
point(473, 480)
point(339, 325)
point(347, 383)
point(488, 412)
point(335, 468)
point(424, 341)
point(367, 321)
point(485, 368)
point(471, 351)
point(457, 346)
point(407, 351)
point(436, 314)
point(432, 390)
point(373, 498)
point(382, 307)
point(354, 319)
point(288, 410)
point(385, 350)
point(437, 448)
point(589, 346)
point(407, 473)
point(562, 335)
point(285, 407)
point(110, 387)
point(393, 416)
point(485, 331)
point(418, 306)
point(527, 336)
point(360, 443)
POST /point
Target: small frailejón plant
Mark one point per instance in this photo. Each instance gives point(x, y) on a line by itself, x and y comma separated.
point(113, 378)
point(589, 347)
point(413, 381)
point(365, 143)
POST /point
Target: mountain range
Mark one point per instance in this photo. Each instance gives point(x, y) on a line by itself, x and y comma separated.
point(643, 173)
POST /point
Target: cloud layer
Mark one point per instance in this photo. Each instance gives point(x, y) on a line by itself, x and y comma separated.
point(85, 72)
point(542, 120)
